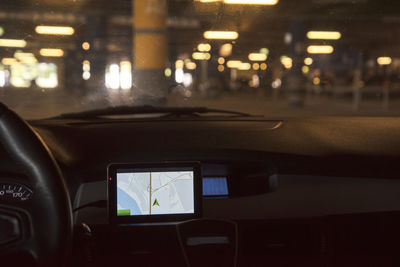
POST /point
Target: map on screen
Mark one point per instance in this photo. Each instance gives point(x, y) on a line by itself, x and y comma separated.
point(155, 193)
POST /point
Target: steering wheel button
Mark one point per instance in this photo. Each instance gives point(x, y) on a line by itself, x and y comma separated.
point(9, 229)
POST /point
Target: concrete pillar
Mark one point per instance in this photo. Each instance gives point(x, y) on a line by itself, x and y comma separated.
point(150, 52)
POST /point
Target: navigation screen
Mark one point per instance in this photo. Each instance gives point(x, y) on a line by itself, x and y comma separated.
point(155, 192)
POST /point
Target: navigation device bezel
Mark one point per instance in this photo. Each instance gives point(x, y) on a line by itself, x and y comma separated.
point(113, 169)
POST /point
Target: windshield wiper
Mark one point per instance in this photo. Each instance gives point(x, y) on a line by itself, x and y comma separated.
point(135, 110)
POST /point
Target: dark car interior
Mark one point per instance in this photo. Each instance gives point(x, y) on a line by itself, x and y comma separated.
point(199, 133)
point(299, 193)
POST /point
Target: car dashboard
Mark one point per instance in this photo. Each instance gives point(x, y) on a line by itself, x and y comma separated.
point(304, 192)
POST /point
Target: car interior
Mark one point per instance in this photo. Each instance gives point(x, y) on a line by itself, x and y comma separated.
point(235, 163)
point(294, 194)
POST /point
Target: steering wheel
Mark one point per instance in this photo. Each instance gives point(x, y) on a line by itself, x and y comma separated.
point(40, 227)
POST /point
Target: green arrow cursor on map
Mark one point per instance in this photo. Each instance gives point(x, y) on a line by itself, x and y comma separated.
point(156, 202)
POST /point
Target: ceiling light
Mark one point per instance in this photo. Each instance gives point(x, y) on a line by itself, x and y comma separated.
point(225, 35)
point(12, 43)
point(204, 47)
point(320, 49)
point(9, 61)
point(251, 2)
point(384, 60)
point(257, 57)
point(201, 56)
point(234, 64)
point(55, 30)
point(51, 52)
point(208, 1)
point(324, 35)
point(245, 66)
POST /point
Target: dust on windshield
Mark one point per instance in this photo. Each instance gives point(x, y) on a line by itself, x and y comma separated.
point(274, 57)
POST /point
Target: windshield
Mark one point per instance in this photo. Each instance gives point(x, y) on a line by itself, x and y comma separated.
point(273, 57)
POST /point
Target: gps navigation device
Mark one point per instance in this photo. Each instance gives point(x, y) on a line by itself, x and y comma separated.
point(156, 192)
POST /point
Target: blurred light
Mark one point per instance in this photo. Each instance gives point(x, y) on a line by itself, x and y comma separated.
point(324, 35)
point(47, 75)
point(86, 67)
point(201, 56)
point(167, 72)
point(28, 60)
point(19, 54)
point(204, 47)
point(384, 60)
point(255, 81)
point(264, 51)
point(25, 58)
point(187, 79)
point(125, 74)
point(112, 76)
point(188, 93)
point(251, 2)
point(179, 64)
point(86, 75)
point(287, 38)
point(179, 75)
point(225, 35)
point(221, 68)
point(208, 1)
point(263, 66)
point(225, 50)
point(316, 81)
point(320, 49)
point(245, 66)
point(287, 62)
point(191, 66)
point(257, 57)
point(256, 66)
point(2, 78)
point(85, 46)
point(21, 75)
point(221, 60)
point(308, 61)
point(233, 64)
point(51, 52)
point(12, 43)
point(55, 30)
point(276, 84)
point(305, 69)
point(1, 31)
point(9, 61)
